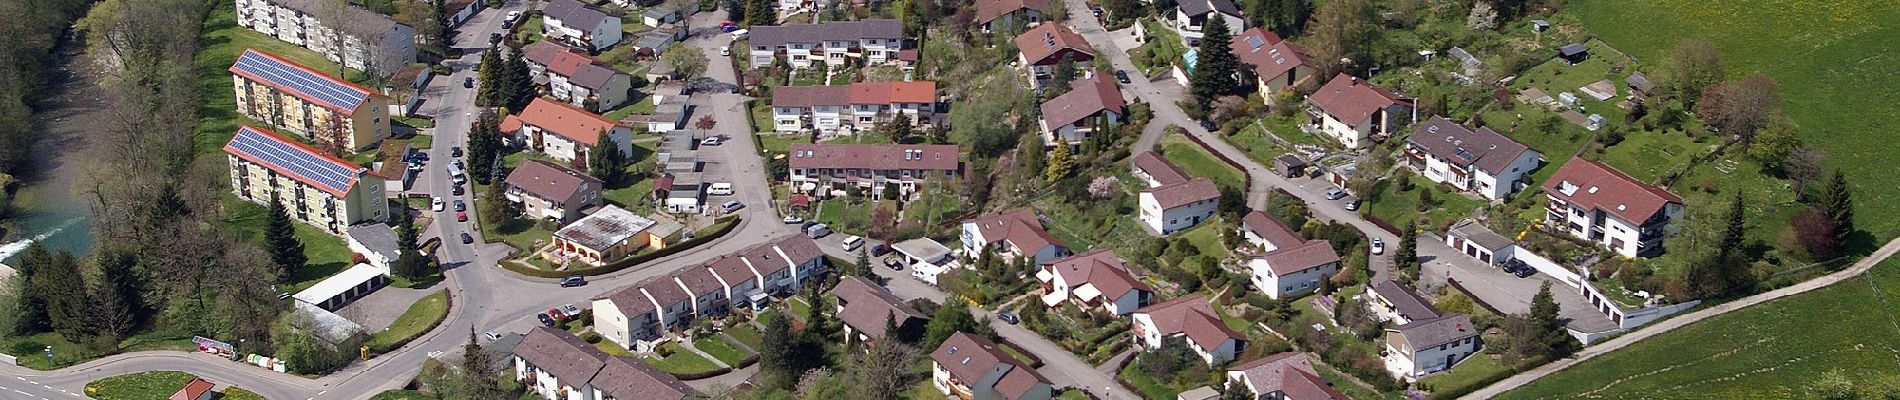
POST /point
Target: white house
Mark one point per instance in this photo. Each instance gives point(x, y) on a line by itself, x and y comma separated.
point(1352, 111)
point(557, 365)
point(1156, 171)
point(1277, 64)
point(1040, 51)
point(858, 106)
point(1191, 16)
point(1194, 321)
point(1013, 233)
point(580, 25)
point(572, 76)
point(1287, 265)
point(369, 40)
point(1394, 302)
point(1597, 203)
point(825, 169)
point(636, 315)
point(1095, 278)
point(1426, 346)
point(563, 132)
point(1285, 375)
point(1093, 104)
point(1480, 161)
point(836, 43)
point(1177, 206)
point(971, 367)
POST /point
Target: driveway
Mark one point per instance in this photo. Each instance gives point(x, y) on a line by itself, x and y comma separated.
point(1508, 293)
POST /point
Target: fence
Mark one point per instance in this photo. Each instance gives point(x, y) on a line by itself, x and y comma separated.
point(1546, 266)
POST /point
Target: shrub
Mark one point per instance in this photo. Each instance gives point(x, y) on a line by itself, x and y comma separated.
point(591, 337)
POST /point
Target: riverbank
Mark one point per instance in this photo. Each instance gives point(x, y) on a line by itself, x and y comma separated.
point(49, 206)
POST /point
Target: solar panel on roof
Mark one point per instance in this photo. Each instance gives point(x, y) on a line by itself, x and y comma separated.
point(1466, 155)
point(310, 85)
point(298, 161)
point(1256, 41)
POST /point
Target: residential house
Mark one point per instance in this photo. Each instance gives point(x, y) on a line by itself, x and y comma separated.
point(634, 316)
point(571, 76)
point(1430, 345)
point(865, 308)
point(1193, 321)
point(563, 132)
point(1352, 111)
point(1394, 302)
point(1190, 16)
point(580, 25)
point(1013, 233)
point(837, 43)
point(376, 242)
point(1156, 171)
point(1597, 203)
point(1008, 15)
point(1093, 104)
point(1480, 161)
point(1288, 265)
point(1093, 279)
point(367, 41)
point(1041, 50)
point(1287, 375)
point(820, 168)
point(557, 365)
point(461, 10)
point(858, 106)
point(1177, 206)
point(1473, 239)
point(608, 235)
point(972, 367)
point(552, 192)
point(328, 111)
point(314, 187)
point(1277, 64)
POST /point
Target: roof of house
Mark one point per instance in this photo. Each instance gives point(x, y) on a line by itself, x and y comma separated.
point(1267, 53)
point(1171, 195)
point(1572, 49)
point(1313, 253)
point(1088, 97)
point(628, 300)
point(1290, 373)
point(1159, 168)
point(856, 93)
point(573, 13)
point(1198, 7)
point(1405, 301)
point(1101, 268)
point(867, 306)
point(194, 389)
point(1473, 231)
point(377, 237)
point(579, 68)
point(300, 81)
point(1436, 331)
point(1192, 316)
point(1483, 148)
point(799, 247)
point(625, 378)
point(1639, 82)
point(969, 358)
point(550, 181)
point(294, 159)
point(361, 19)
point(1019, 226)
point(1267, 227)
point(561, 354)
point(1351, 99)
point(698, 281)
point(876, 156)
point(990, 10)
point(1592, 184)
point(606, 227)
point(573, 123)
point(774, 36)
point(664, 290)
point(1039, 45)
point(732, 268)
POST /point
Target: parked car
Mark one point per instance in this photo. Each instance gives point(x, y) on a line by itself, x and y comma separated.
point(461, 216)
point(1352, 204)
point(727, 26)
point(818, 231)
point(505, 24)
point(545, 319)
point(460, 206)
point(1008, 317)
point(732, 205)
point(853, 243)
point(436, 204)
point(573, 281)
point(571, 310)
point(457, 189)
point(720, 189)
point(1378, 246)
point(468, 82)
point(894, 263)
point(1335, 193)
point(492, 335)
point(725, 51)
point(467, 239)
point(740, 34)
point(1526, 272)
point(1210, 126)
point(512, 16)
point(711, 141)
point(880, 249)
point(557, 314)
point(807, 225)
point(456, 151)
point(792, 219)
point(1121, 76)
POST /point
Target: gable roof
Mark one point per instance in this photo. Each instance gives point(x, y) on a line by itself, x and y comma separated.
point(561, 354)
point(1436, 331)
point(876, 156)
point(1351, 99)
point(575, 65)
point(573, 13)
point(1019, 226)
point(1190, 316)
point(192, 390)
point(698, 281)
point(626, 379)
point(1198, 7)
point(732, 269)
point(856, 93)
point(1267, 53)
point(969, 358)
point(300, 81)
point(564, 120)
point(1312, 253)
point(1270, 228)
point(774, 36)
point(1101, 268)
point(1289, 373)
point(867, 306)
point(1159, 168)
point(1404, 301)
point(1471, 230)
point(990, 10)
point(1483, 148)
point(1592, 184)
point(294, 159)
point(1088, 97)
point(1041, 44)
point(1638, 81)
point(549, 181)
point(629, 301)
point(1178, 194)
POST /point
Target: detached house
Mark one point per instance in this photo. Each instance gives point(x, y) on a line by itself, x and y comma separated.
point(367, 41)
point(1277, 64)
point(1093, 104)
point(820, 169)
point(298, 99)
point(1173, 207)
point(865, 308)
point(971, 367)
point(314, 187)
point(1156, 171)
point(552, 192)
point(1192, 320)
point(835, 44)
point(1286, 375)
point(1353, 111)
point(571, 76)
point(1191, 16)
point(1013, 233)
point(1093, 279)
point(563, 132)
point(1008, 14)
point(1394, 302)
point(1042, 49)
point(1597, 203)
point(608, 235)
point(1480, 161)
point(636, 315)
point(857, 106)
point(580, 25)
point(1426, 346)
point(1288, 264)
point(557, 365)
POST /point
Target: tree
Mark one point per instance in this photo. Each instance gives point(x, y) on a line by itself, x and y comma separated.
point(1405, 257)
point(1803, 165)
point(1060, 163)
point(280, 238)
point(484, 143)
point(478, 371)
point(605, 161)
point(1693, 65)
point(735, 10)
point(1774, 143)
point(1236, 391)
point(1741, 108)
point(1483, 17)
point(1065, 74)
point(1029, 157)
point(953, 317)
point(1814, 230)
point(521, 87)
point(409, 261)
point(1342, 30)
point(1733, 234)
point(118, 300)
point(864, 268)
point(760, 13)
point(1837, 201)
point(1538, 335)
point(496, 209)
point(492, 92)
point(689, 62)
point(899, 129)
point(881, 373)
point(58, 281)
point(1215, 68)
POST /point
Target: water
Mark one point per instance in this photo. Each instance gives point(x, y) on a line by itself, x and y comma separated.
point(46, 219)
point(46, 208)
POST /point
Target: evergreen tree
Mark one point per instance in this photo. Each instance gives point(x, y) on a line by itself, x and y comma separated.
point(1060, 163)
point(1732, 236)
point(118, 298)
point(478, 371)
point(491, 92)
point(409, 261)
point(1405, 259)
point(280, 239)
point(735, 10)
point(496, 209)
point(1064, 76)
point(818, 326)
point(1837, 201)
point(899, 129)
point(953, 317)
point(520, 80)
point(864, 266)
point(760, 13)
point(31, 307)
point(434, 34)
point(484, 144)
point(60, 283)
point(1215, 67)
point(605, 161)
point(1237, 391)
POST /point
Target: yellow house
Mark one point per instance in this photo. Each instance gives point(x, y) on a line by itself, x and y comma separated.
point(298, 99)
point(314, 187)
point(608, 234)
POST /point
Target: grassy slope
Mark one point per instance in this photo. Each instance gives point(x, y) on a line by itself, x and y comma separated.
point(1197, 162)
point(414, 322)
point(139, 386)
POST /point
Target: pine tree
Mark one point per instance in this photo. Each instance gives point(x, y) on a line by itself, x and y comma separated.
point(1732, 236)
point(491, 92)
point(1060, 163)
point(31, 308)
point(1405, 259)
point(63, 287)
point(280, 238)
point(778, 363)
point(1837, 201)
point(605, 161)
point(478, 371)
point(1215, 67)
point(496, 209)
point(118, 298)
point(484, 143)
point(520, 80)
point(1064, 76)
point(864, 266)
point(760, 13)
point(953, 317)
point(409, 261)
point(434, 32)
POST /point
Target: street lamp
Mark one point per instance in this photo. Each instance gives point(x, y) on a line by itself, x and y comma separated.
point(49, 356)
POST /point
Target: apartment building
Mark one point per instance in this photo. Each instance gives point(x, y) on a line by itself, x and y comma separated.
point(563, 132)
point(580, 25)
point(856, 106)
point(365, 40)
point(314, 187)
point(571, 76)
point(833, 44)
point(303, 101)
point(820, 169)
point(1592, 201)
point(1480, 161)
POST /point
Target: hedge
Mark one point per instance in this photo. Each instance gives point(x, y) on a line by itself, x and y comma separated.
point(1034, 362)
point(721, 228)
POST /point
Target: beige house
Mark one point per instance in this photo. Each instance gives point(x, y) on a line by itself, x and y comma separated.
point(298, 99)
point(607, 235)
point(552, 192)
point(314, 187)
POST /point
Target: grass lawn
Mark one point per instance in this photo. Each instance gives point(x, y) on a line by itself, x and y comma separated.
point(747, 335)
point(1253, 140)
point(779, 143)
point(238, 393)
point(414, 122)
point(1771, 350)
point(799, 305)
point(1149, 387)
point(1206, 238)
point(421, 316)
point(718, 348)
point(138, 386)
point(1199, 163)
point(327, 254)
point(1475, 372)
point(421, 141)
point(1401, 207)
point(643, 107)
point(681, 362)
point(530, 31)
point(31, 350)
point(613, 349)
point(400, 395)
point(1163, 49)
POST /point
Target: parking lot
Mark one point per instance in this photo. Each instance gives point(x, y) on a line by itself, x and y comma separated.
point(1508, 293)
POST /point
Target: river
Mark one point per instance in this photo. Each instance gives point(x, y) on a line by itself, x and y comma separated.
point(47, 207)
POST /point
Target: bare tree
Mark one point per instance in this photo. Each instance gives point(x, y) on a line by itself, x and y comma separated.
point(1802, 166)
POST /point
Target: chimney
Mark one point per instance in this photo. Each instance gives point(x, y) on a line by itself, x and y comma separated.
point(1355, 81)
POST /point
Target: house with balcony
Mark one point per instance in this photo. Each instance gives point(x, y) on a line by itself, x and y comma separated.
point(1357, 113)
point(608, 235)
point(833, 43)
point(552, 192)
point(1042, 49)
point(858, 106)
point(563, 132)
point(331, 112)
point(1278, 65)
point(1594, 202)
point(1286, 264)
point(866, 308)
point(314, 187)
point(1480, 161)
point(637, 316)
point(1287, 375)
point(1010, 15)
point(972, 367)
point(1191, 16)
point(580, 25)
point(1092, 104)
point(825, 170)
point(369, 41)
point(1191, 320)
point(571, 76)
point(1426, 346)
point(1094, 280)
point(556, 365)
point(1013, 233)
point(1175, 207)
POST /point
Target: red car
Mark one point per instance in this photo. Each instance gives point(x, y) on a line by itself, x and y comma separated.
point(461, 216)
point(557, 314)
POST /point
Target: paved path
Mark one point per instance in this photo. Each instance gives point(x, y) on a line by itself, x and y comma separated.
point(1684, 320)
point(688, 344)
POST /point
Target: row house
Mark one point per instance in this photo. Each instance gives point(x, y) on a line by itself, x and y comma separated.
point(1278, 65)
point(1431, 345)
point(995, 15)
point(1042, 49)
point(1355, 113)
point(836, 43)
point(635, 316)
point(1014, 233)
point(972, 367)
point(1285, 375)
point(556, 365)
point(857, 106)
point(1592, 201)
point(1287, 265)
point(1094, 104)
point(368, 41)
point(1095, 279)
point(552, 192)
point(1192, 16)
point(1480, 161)
point(572, 76)
point(821, 169)
point(580, 25)
point(564, 132)
point(866, 307)
point(1191, 320)
point(314, 187)
point(300, 100)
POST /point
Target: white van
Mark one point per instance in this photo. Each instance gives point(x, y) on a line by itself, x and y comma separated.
point(740, 34)
point(720, 189)
point(852, 243)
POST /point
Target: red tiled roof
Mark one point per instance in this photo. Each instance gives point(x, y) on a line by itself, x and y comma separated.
point(990, 10)
point(1269, 56)
point(1592, 184)
point(857, 93)
point(1099, 267)
point(968, 358)
point(1270, 228)
point(1088, 97)
point(942, 157)
point(1183, 193)
point(1351, 99)
point(1192, 316)
point(573, 123)
point(576, 65)
point(193, 390)
point(1289, 372)
point(1018, 226)
point(867, 306)
point(1159, 168)
point(1043, 44)
point(698, 281)
point(732, 269)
